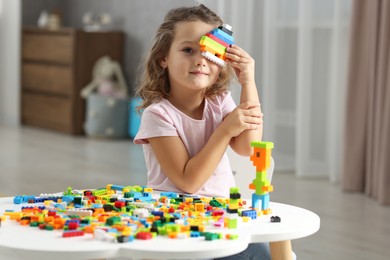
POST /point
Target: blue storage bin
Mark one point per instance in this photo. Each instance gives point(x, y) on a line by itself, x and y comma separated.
point(134, 116)
point(106, 117)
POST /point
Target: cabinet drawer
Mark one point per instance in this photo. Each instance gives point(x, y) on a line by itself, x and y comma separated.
point(50, 79)
point(47, 111)
point(44, 47)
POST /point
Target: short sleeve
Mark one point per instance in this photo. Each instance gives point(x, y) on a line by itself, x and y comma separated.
point(227, 104)
point(154, 122)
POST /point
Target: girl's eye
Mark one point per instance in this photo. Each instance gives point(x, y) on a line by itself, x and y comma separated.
point(188, 50)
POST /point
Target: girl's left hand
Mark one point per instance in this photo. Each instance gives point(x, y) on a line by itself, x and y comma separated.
point(242, 63)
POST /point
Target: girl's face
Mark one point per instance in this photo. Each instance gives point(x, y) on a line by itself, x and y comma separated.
point(188, 69)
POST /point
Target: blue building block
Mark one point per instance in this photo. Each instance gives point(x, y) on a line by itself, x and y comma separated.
point(18, 200)
point(27, 198)
point(67, 198)
point(260, 202)
point(40, 200)
point(117, 187)
point(222, 35)
point(158, 213)
point(146, 196)
point(67, 222)
point(169, 194)
point(256, 201)
point(249, 213)
point(195, 234)
point(265, 201)
point(134, 194)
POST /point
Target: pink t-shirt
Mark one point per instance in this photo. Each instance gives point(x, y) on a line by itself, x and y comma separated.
point(163, 119)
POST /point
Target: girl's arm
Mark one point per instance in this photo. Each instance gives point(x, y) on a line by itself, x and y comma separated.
point(189, 174)
point(244, 66)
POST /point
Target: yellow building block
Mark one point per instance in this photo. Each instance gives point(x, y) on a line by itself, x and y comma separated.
point(199, 207)
point(148, 190)
point(213, 45)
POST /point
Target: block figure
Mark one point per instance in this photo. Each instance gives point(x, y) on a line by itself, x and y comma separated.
point(261, 158)
point(213, 45)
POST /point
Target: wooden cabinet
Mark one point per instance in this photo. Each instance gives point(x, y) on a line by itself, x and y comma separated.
point(56, 65)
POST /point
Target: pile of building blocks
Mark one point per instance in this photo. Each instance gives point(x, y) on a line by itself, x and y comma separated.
point(125, 213)
point(213, 45)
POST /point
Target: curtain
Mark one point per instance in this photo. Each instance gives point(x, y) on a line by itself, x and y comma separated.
point(300, 48)
point(367, 129)
point(303, 82)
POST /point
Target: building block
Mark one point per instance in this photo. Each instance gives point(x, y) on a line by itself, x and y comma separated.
point(249, 213)
point(209, 236)
point(72, 233)
point(226, 28)
point(213, 58)
point(213, 45)
point(215, 38)
point(231, 223)
point(222, 35)
point(231, 236)
point(144, 235)
point(18, 200)
point(124, 239)
point(114, 187)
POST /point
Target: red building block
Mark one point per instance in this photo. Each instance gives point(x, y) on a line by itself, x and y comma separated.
point(144, 235)
point(73, 233)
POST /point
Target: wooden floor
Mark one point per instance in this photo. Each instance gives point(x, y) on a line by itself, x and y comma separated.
point(34, 161)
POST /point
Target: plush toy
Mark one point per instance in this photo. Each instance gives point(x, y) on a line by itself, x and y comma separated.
point(107, 101)
point(108, 80)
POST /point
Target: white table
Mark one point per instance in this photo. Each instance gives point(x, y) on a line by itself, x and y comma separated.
point(19, 242)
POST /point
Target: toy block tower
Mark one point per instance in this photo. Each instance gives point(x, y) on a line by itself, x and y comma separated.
point(261, 158)
point(231, 214)
point(213, 45)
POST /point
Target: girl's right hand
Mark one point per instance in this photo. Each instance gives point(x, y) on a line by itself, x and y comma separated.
point(246, 116)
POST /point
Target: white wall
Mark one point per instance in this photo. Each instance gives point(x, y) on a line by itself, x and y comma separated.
point(10, 11)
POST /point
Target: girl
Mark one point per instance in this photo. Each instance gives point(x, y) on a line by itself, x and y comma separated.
point(189, 117)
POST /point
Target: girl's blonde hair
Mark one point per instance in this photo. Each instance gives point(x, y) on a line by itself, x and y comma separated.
point(154, 82)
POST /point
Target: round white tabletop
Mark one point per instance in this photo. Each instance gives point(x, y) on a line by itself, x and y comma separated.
point(19, 242)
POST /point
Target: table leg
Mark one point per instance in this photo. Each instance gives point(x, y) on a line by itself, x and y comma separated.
point(281, 250)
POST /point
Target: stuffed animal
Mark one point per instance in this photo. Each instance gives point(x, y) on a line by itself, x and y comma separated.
point(107, 101)
point(108, 80)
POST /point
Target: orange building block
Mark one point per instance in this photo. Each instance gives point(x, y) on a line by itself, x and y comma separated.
point(261, 156)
